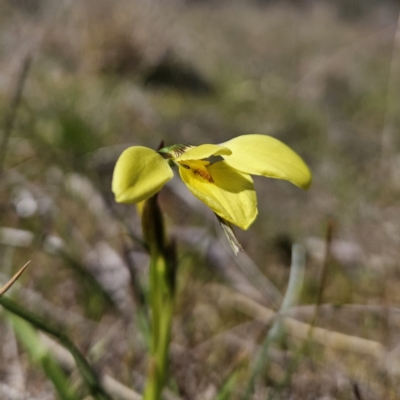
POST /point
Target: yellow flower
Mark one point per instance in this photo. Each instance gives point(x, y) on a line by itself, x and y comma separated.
point(219, 175)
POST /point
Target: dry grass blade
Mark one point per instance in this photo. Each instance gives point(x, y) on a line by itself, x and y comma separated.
point(301, 330)
point(230, 234)
point(356, 391)
point(13, 279)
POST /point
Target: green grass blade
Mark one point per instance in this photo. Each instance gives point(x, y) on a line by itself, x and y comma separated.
point(85, 369)
point(277, 331)
point(225, 392)
point(39, 354)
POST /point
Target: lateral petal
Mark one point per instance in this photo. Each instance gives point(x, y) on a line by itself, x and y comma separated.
point(139, 173)
point(267, 156)
point(203, 151)
point(229, 193)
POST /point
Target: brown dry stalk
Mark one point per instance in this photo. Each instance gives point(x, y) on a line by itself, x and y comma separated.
point(300, 330)
point(12, 114)
point(13, 279)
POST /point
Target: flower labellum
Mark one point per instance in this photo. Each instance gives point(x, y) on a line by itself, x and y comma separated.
point(225, 186)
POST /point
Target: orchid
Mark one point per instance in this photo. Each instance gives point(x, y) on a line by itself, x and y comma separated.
point(217, 174)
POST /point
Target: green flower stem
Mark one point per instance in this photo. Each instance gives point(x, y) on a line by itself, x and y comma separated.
point(162, 293)
point(85, 369)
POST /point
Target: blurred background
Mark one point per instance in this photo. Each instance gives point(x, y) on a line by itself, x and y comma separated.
point(82, 80)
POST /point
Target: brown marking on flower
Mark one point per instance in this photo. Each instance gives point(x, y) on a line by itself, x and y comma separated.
point(180, 149)
point(204, 174)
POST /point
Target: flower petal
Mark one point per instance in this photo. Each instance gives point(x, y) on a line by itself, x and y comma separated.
point(139, 173)
point(203, 151)
point(229, 193)
point(267, 156)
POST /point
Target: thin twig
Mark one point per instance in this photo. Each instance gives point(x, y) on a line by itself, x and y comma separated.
point(15, 101)
point(13, 279)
